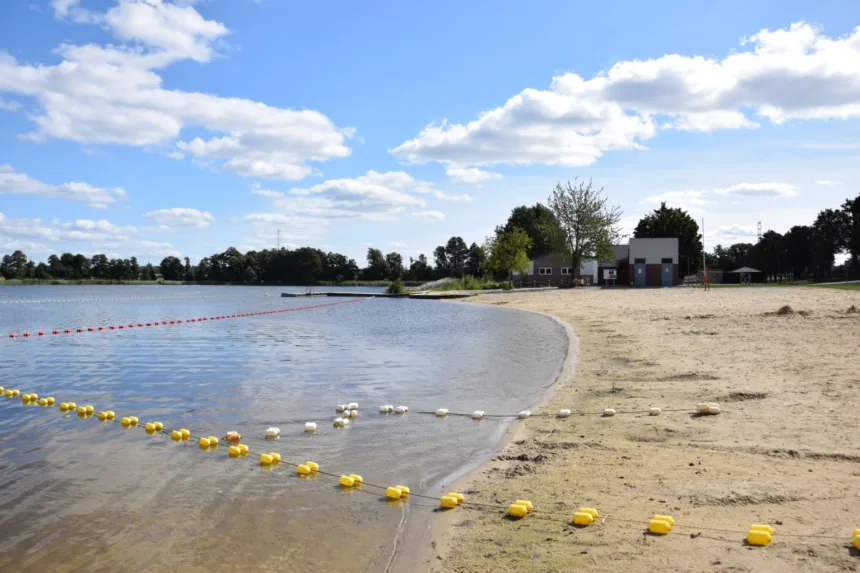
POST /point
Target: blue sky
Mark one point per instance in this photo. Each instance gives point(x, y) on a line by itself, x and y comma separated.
point(149, 127)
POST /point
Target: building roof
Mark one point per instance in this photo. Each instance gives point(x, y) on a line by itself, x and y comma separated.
point(745, 270)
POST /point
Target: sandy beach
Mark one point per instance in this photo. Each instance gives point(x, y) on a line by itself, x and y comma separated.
point(784, 451)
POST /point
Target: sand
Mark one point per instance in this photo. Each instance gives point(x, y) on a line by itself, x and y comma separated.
point(784, 451)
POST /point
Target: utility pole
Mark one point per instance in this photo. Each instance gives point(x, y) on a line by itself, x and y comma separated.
point(759, 231)
point(704, 267)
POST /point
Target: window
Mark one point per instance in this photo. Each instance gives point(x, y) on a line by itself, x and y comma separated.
point(639, 261)
point(566, 271)
point(666, 260)
point(545, 271)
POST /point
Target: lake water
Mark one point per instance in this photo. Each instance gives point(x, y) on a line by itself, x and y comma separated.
point(83, 495)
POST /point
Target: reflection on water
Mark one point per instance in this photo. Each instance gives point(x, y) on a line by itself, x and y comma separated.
point(82, 495)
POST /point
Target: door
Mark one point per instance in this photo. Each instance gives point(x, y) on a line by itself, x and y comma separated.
point(639, 273)
point(667, 274)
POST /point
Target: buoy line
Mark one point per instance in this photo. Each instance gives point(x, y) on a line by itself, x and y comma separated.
point(756, 535)
point(130, 325)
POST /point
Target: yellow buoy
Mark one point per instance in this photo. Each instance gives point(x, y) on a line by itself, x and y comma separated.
point(666, 518)
point(346, 481)
point(149, 432)
point(356, 478)
point(51, 401)
point(90, 409)
point(213, 441)
point(34, 397)
point(175, 435)
point(449, 502)
point(525, 503)
point(404, 491)
point(393, 493)
point(82, 410)
point(517, 510)
point(458, 496)
point(8, 393)
point(185, 433)
point(2, 389)
point(102, 416)
point(265, 460)
point(43, 402)
point(303, 470)
point(276, 458)
point(659, 526)
point(234, 451)
point(25, 398)
point(583, 518)
point(243, 449)
point(16, 392)
point(204, 443)
point(111, 414)
point(759, 538)
point(590, 510)
point(64, 407)
point(125, 422)
point(761, 527)
point(314, 466)
point(72, 406)
point(149, 426)
point(158, 426)
point(134, 420)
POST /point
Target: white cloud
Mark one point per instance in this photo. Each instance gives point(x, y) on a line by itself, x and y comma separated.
point(398, 245)
point(429, 215)
point(374, 196)
point(828, 183)
point(176, 155)
point(113, 94)
point(181, 217)
point(21, 183)
point(53, 236)
point(9, 105)
point(731, 234)
point(758, 190)
point(691, 200)
point(469, 174)
point(780, 75)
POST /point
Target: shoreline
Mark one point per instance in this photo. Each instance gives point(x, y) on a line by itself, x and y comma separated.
point(427, 538)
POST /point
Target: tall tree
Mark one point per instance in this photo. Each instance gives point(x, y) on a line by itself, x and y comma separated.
point(188, 275)
point(395, 265)
point(134, 268)
point(171, 269)
point(440, 259)
point(508, 252)
point(377, 266)
point(539, 223)
point(832, 230)
point(674, 222)
point(588, 225)
point(14, 265)
point(476, 260)
point(457, 252)
point(851, 208)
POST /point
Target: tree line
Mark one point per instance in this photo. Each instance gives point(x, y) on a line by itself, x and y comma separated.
point(576, 221)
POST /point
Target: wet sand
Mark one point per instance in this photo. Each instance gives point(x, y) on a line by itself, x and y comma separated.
point(784, 451)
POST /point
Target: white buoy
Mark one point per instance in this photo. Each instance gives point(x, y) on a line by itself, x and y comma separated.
point(713, 409)
point(702, 407)
point(310, 426)
point(273, 432)
point(401, 410)
point(386, 409)
point(524, 414)
point(442, 412)
point(353, 405)
point(564, 413)
point(338, 422)
point(340, 408)
point(345, 422)
point(478, 415)
point(654, 411)
point(351, 414)
point(609, 412)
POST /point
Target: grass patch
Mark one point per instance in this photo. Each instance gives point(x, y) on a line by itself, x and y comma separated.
point(473, 283)
point(754, 285)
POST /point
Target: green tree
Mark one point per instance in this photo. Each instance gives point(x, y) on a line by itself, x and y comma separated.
point(539, 222)
point(171, 269)
point(395, 265)
point(133, 268)
point(674, 222)
point(851, 208)
point(440, 258)
point(14, 265)
point(509, 252)
point(42, 272)
point(457, 253)
point(99, 267)
point(476, 261)
point(188, 275)
point(249, 276)
point(147, 273)
point(588, 226)
point(377, 267)
point(419, 269)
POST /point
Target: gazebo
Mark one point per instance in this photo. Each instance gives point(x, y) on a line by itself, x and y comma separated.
point(743, 275)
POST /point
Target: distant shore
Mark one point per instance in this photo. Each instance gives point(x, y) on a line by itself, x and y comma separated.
point(95, 282)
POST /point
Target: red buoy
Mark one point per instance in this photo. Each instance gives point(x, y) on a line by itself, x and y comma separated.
point(121, 327)
point(139, 325)
point(55, 332)
point(90, 329)
point(172, 322)
point(178, 322)
point(67, 331)
point(112, 327)
point(80, 330)
point(26, 335)
point(148, 324)
point(131, 325)
point(12, 336)
point(41, 333)
point(101, 328)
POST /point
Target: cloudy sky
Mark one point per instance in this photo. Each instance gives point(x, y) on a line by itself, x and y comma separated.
point(151, 127)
